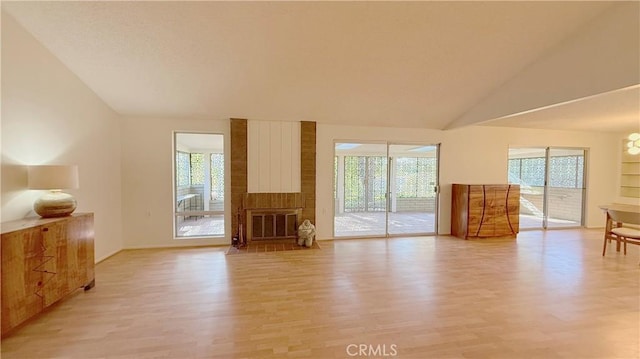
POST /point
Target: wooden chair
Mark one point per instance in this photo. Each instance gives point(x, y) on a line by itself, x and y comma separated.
point(625, 234)
point(609, 236)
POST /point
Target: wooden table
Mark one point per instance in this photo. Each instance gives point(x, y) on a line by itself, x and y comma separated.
point(609, 225)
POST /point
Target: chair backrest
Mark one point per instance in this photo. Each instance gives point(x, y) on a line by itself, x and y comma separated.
point(624, 217)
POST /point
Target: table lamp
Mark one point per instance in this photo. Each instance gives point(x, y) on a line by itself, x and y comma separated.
point(54, 203)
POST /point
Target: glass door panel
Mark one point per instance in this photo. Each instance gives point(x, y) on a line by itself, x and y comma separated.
point(360, 177)
point(413, 183)
point(551, 186)
point(527, 167)
point(565, 188)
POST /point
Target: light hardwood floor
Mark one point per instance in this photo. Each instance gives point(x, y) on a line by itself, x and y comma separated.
point(545, 295)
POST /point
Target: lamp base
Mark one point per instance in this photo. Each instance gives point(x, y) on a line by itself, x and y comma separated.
point(55, 204)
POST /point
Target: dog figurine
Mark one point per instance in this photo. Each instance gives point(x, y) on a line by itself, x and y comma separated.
point(306, 233)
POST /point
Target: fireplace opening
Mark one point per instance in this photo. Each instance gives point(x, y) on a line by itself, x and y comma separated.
point(272, 224)
point(273, 215)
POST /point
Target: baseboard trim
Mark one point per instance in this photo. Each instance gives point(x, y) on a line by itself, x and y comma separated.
point(178, 246)
point(168, 246)
point(103, 258)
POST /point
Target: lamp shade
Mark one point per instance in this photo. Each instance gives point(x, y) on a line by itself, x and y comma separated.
point(53, 177)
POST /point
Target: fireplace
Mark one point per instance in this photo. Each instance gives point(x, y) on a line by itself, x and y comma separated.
point(273, 215)
point(272, 224)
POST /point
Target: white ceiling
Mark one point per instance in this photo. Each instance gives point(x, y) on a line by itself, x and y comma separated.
point(615, 111)
point(408, 64)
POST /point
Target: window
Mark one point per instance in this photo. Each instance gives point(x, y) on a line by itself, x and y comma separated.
point(183, 169)
point(567, 171)
point(365, 183)
point(197, 168)
point(217, 176)
point(335, 177)
point(415, 176)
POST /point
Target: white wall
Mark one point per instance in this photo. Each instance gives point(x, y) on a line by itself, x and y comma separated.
point(468, 155)
point(147, 179)
point(273, 156)
point(50, 117)
point(472, 155)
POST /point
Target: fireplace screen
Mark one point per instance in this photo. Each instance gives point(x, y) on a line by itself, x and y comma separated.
point(272, 225)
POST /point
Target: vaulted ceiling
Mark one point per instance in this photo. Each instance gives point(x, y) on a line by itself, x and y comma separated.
point(440, 65)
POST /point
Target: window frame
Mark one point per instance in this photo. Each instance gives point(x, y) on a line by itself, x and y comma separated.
point(176, 187)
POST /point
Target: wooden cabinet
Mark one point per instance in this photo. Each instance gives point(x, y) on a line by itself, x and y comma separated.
point(21, 279)
point(484, 211)
point(43, 260)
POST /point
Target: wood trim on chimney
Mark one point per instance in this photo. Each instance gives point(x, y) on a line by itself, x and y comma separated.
point(238, 172)
point(308, 169)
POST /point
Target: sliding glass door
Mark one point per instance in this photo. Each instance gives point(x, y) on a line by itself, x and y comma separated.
point(527, 167)
point(361, 189)
point(565, 192)
point(551, 185)
point(413, 200)
point(385, 189)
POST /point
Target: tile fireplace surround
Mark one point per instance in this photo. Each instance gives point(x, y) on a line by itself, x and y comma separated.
point(272, 215)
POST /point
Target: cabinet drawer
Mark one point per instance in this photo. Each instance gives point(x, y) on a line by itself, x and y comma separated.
point(55, 269)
